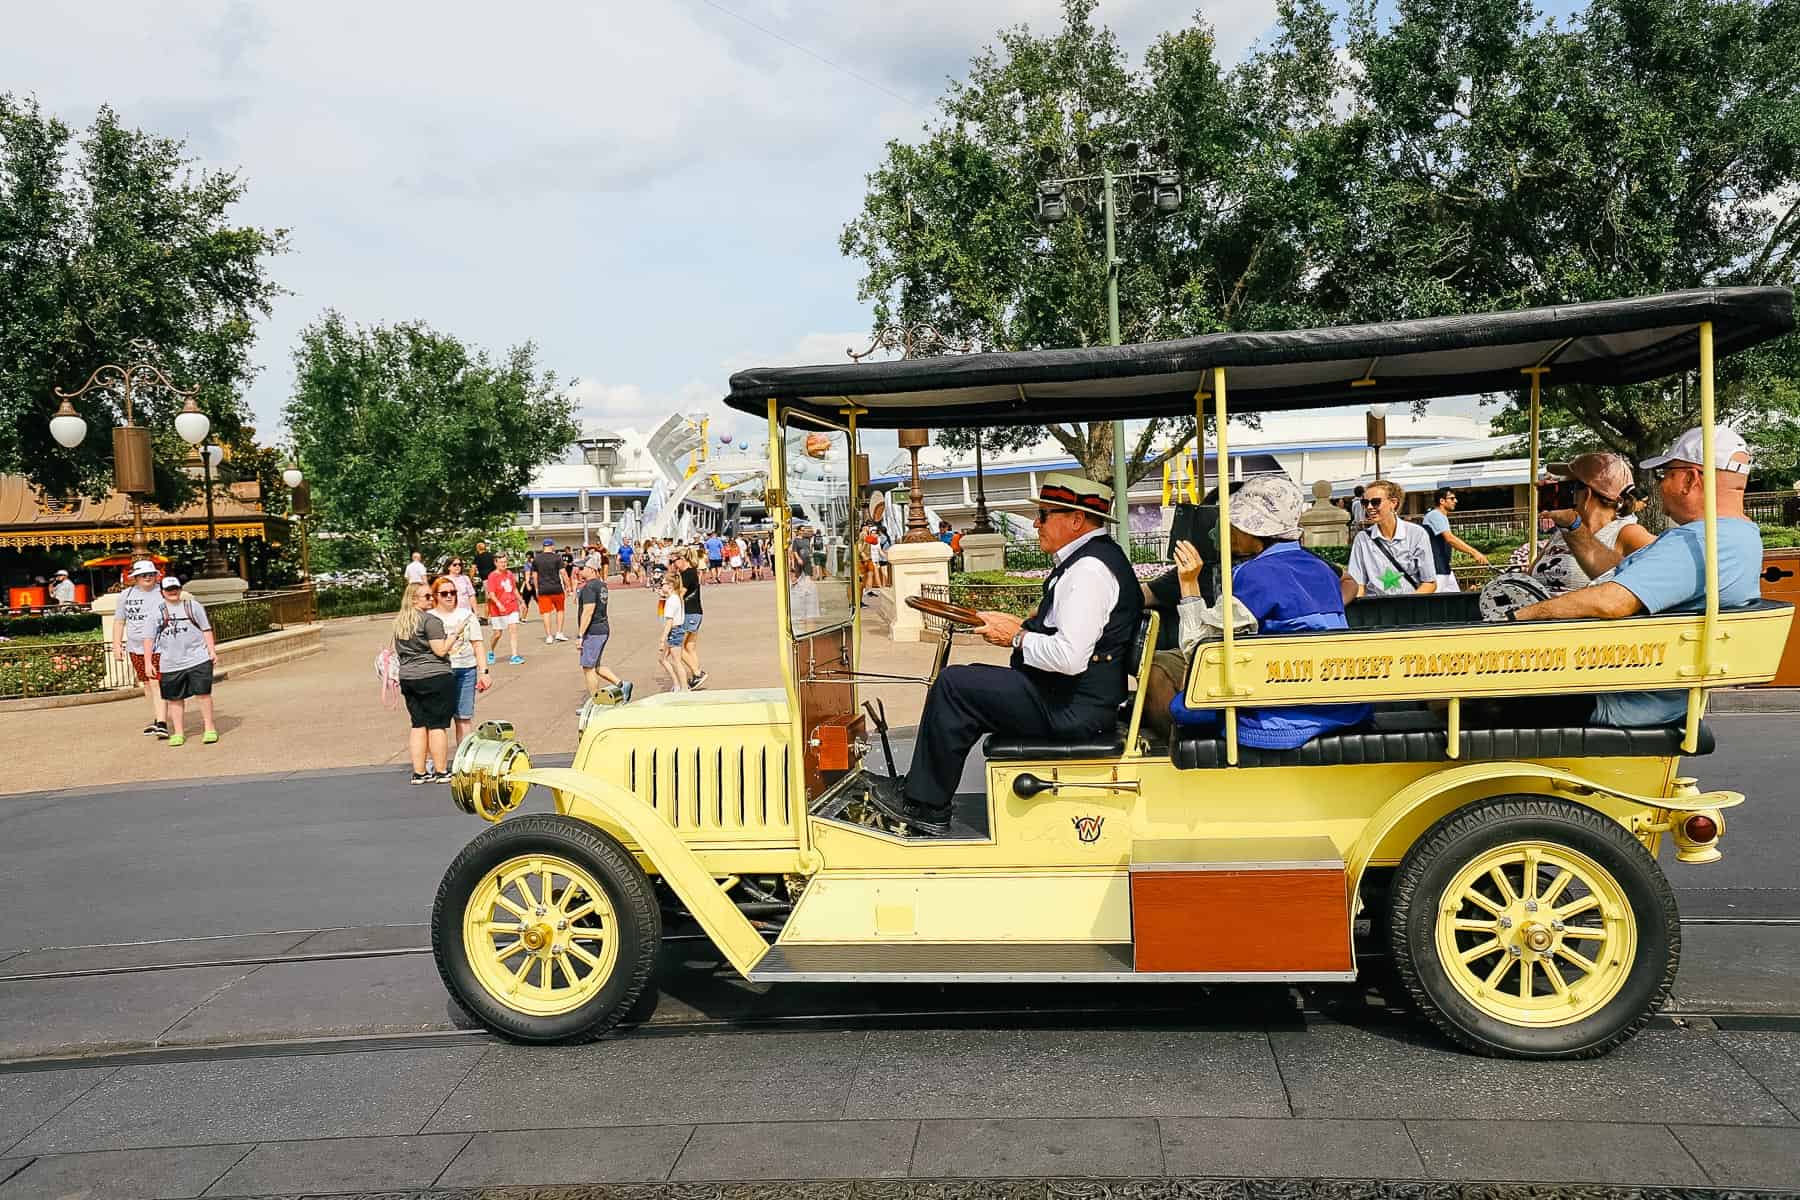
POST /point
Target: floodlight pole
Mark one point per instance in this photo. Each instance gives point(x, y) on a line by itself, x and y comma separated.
point(1121, 484)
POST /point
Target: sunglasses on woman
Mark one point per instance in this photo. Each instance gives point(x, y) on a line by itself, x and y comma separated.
point(450, 592)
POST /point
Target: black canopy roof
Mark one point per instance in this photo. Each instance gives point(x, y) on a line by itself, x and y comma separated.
point(1609, 342)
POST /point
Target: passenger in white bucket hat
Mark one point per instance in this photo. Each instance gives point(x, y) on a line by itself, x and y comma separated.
point(1277, 587)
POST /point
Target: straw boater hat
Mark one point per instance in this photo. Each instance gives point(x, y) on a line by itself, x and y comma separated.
point(1062, 490)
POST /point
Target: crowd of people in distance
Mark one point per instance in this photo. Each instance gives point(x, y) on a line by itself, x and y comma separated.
point(442, 657)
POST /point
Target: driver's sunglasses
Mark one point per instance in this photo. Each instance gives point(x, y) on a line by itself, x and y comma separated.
point(1044, 515)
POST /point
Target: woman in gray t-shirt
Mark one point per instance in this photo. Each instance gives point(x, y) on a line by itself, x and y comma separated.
point(426, 680)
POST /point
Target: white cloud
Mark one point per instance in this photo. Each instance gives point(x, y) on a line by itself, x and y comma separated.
point(654, 190)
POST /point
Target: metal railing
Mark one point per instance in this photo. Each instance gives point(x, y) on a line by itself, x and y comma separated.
point(291, 606)
point(1773, 508)
point(61, 669)
point(1492, 520)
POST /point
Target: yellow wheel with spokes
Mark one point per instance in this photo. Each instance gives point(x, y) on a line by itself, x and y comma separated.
point(1534, 928)
point(546, 929)
point(539, 933)
point(1536, 934)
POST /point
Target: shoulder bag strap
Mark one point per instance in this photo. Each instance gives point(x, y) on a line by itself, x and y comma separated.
point(1389, 555)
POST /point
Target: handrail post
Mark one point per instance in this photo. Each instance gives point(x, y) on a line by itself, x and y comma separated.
point(1225, 605)
point(1709, 489)
point(1531, 513)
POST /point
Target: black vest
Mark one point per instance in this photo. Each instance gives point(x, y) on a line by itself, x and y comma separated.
point(1092, 697)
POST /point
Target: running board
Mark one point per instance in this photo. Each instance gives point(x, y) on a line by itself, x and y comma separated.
point(912, 962)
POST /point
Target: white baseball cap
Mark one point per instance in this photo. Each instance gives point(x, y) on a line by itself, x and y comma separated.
point(169, 581)
point(1688, 448)
point(62, 574)
point(142, 566)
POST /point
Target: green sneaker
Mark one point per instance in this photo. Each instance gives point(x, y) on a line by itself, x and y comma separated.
point(212, 735)
point(177, 739)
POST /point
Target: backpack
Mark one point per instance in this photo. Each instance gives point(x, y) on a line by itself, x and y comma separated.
point(387, 669)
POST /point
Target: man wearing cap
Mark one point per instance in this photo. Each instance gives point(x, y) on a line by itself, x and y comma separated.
point(63, 589)
point(1669, 574)
point(1277, 587)
point(551, 576)
point(185, 654)
point(134, 623)
point(1069, 658)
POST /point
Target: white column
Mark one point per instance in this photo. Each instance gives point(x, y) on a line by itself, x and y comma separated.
point(914, 565)
point(537, 512)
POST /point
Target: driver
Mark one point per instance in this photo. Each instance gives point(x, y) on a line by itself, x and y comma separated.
point(1069, 659)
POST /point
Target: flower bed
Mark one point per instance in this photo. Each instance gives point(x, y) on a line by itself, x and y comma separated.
point(56, 669)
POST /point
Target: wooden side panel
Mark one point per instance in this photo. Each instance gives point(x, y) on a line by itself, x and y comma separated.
point(821, 662)
point(1240, 921)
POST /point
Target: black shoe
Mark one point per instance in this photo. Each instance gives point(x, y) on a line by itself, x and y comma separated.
point(421, 777)
point(884, 795)
point(156, 729)
point(697, 682)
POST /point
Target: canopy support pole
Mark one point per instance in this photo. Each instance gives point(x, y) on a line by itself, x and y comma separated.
point(1225, 604)
point(1709, 485)
point(1531, 516)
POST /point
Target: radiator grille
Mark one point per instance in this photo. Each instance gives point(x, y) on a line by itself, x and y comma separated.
point(708, 785)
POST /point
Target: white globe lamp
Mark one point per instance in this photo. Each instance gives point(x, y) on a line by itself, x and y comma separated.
point(68, 427)
point(292, 477)
point(192, 424)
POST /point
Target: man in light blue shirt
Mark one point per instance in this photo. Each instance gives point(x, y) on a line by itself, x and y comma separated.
point(1669, 575)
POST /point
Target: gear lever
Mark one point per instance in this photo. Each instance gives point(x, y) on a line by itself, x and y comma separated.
point(878, 717)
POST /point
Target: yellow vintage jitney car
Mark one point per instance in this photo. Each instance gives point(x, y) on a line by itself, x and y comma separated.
point(1511, 872)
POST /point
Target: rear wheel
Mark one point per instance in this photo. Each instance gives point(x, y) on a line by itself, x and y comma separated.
point(1534, 928)
point(545, 929)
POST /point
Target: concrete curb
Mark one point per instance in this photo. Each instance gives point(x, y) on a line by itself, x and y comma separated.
point(282, 646)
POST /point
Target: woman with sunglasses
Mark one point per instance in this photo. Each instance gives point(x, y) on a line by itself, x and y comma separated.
point(468, 663)
point(1594, 528)
point(465, 586)
point(426, 681)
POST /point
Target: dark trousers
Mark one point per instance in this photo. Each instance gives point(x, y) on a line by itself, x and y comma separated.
point(967, 702)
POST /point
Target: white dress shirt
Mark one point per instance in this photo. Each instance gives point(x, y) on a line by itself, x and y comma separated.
point(1079, 604)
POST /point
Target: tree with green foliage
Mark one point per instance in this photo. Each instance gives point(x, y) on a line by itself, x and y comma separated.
point(948, 235)
point(1493, 159)
point(409, 439)
point(108, 244)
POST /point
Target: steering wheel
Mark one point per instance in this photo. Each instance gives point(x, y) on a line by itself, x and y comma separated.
point(955, 614)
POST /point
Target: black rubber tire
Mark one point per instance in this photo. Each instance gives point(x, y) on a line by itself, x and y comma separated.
point(1449, 845)
point(639, 925)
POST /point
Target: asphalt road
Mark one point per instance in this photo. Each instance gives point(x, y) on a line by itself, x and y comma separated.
point(363, 848)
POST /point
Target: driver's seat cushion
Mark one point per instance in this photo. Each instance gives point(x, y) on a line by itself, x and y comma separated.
point(1365, 745)
point(1005, 748)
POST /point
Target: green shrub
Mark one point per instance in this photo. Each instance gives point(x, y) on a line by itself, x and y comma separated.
point(51, 622)
point(358, 601)
point(240, 620)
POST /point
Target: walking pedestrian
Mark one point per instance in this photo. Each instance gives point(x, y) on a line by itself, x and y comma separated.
point(674, 635)
point(715, 556)
point(484, 563)
point(468, 663)
point(688, 565)
point(426, 683)
point(465, 587)
point(551, 582)
point(503, 606)
point(626, 553)
point(590, 619)
point(134, 624)
point(415, 570)
point(185, 652)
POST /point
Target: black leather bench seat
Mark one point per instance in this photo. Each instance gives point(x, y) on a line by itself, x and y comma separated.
point(1012, 749)
point(1396, 738)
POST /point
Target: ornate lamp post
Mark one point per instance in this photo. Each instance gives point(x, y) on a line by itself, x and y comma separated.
point(215, 567)
point(982, 524)
point(913, 441)
point(300, 504)
point(133, 466)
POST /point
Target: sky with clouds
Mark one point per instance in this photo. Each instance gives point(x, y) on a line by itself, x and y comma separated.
point(652, 192)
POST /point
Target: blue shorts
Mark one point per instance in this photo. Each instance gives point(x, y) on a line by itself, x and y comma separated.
point(678, 635)
point(593, 645)
point(465, 692)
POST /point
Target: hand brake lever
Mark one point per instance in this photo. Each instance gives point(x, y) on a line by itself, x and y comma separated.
point(879, 720)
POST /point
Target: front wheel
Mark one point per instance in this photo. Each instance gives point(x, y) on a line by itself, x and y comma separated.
point(1534, 928)
point(546, 930)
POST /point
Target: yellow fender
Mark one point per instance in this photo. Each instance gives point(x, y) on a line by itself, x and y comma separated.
point(635, 823)
point(1423, 801)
